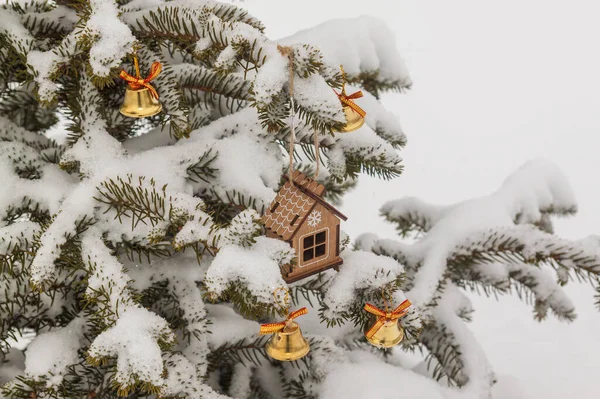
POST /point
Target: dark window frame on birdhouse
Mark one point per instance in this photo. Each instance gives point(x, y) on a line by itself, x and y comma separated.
point(315, 245)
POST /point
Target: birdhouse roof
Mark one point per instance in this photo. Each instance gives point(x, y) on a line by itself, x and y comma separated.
point(293, 203)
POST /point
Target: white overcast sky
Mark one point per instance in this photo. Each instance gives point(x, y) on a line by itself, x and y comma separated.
point(495, 83)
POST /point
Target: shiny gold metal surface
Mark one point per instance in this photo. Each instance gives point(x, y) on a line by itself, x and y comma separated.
point(390, 334)
point(140, 103)
point(353, 120)
point(288, 344)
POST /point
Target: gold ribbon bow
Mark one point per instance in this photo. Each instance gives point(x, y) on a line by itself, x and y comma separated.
point(271, 328)
point(136, 82)
point(347, 100)
point(397, 313)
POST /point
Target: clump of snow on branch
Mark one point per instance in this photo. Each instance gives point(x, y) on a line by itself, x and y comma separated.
point(106, 273)
point(361, 270)
point(366, 376)
point(134, 341)
point(536, 187)
point(368, 46)
point(50, 353)
point(112, 38)
point(257, 266)
point(243, 229)
point(228, 326)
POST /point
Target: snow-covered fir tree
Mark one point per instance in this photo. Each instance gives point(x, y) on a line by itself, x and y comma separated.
point(133, 250)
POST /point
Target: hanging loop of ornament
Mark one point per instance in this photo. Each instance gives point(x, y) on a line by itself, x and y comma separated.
point(137, 82)
point(384, 316)
point(271, 328)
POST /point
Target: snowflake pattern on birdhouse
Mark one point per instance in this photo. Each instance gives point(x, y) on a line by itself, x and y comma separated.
point(300, 216)
point(314, 219)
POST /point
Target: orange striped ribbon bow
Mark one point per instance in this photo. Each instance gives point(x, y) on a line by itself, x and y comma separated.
point(397, 313)
point(275, 327)
point(136, 82)
point(347, 99)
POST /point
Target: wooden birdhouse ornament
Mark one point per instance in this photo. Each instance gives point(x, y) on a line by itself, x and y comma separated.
point(300, 216)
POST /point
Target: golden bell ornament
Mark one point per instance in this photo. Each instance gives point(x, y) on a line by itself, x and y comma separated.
point(354, 120)
point(384, 331)
point(141, 98)
point(288, 344)
point(140, 103)
point(388, 335)
point(355, 115)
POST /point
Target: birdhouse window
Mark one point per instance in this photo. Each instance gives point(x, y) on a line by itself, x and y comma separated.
point(314, 246)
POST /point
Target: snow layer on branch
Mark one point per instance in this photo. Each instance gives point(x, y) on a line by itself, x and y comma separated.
point(134, 341)
point(16, 233)
point(257, 267)
point(249, 164)
point(50, 353)
point(536, 186)
point(362, 44)
point(364, 144)
point(45, 63)
point(315, 95)
point(476, 366)
point(56, 185)
point(106, 272)
point(183, 379)
point(12, 27)
point(361, 270)
point(113, 39)
point(228, 326)
point(368, 377)
point(412, 210)
point(385, 123)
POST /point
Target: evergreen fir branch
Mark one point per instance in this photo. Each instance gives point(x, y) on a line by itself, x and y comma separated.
point(371, 82)
point(310, 290)
point(202, 169)
point(208, 87)
point(221, 212)
point(18, 252)
point(223, 207)
point(244, 351)
point(43, 27)
point(246, 303)
point(395, 138)
point(21, 107)
point(10, 131)
point(142, 250)
point(296, 388)
point(273, 117)
point(442, 347)
point(28, 209)
point(378, 166)
point(256, 389)
point(136, 202)
point(410, 215)
point(232, 13)
point(355, 312)
point(507, 245)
